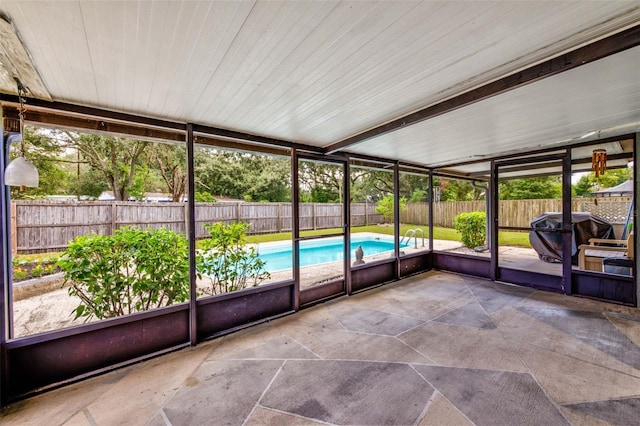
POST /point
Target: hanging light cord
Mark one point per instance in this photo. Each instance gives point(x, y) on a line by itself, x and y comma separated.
point(22, 93)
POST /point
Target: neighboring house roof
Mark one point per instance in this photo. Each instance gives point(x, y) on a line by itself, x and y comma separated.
point(625, 189)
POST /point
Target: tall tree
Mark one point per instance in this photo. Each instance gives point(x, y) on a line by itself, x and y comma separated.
point(242, 175)
point(458, 190)
point(322, 182)
point(88, 183)
point(116, 158)
point(531, 188)
point(171, 162)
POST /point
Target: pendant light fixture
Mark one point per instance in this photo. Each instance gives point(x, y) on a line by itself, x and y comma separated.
point(21, 172)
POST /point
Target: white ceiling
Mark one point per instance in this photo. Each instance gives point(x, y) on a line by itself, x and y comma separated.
point(317, 72)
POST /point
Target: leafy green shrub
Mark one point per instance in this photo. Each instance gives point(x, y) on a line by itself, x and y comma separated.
point(472, 227)
point(130, 271)
point(385, 207)
point(204, 197)
point(227, 262)
point(19, 274)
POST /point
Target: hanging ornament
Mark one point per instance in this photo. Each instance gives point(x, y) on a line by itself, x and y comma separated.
point(599, 161)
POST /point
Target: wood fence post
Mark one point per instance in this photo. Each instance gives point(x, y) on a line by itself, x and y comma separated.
point(279, 225)
point(366, 214)
point(185, 212)
point(114, 217)
point(14, 229)
point(313, 215)
point(238, 212)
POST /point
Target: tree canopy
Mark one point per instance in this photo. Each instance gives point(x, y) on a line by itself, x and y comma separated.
point(85, 165)
point(531, 188)
point(588, 183)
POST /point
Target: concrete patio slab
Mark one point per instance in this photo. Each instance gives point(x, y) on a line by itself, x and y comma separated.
point(471, 315)
point(350, 392)
point(494, 397)
point(463, 346)
point(443, 413)
point(592, 328)
point(268, 417)
point(221, 392)
point(493, 296)
point(618, 412)
point(467, 351)
point(374, 322)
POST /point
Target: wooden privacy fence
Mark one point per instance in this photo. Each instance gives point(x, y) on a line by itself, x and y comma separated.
point(49, 226)
point(515, 213)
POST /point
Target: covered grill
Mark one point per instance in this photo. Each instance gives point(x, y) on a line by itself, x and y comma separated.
point(546, 238)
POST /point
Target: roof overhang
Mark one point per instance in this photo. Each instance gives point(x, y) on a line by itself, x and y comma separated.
point(442, 85)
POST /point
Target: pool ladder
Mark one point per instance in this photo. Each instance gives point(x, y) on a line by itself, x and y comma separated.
point(413, 233)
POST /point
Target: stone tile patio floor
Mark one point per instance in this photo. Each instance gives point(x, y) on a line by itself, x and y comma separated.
point(434, 349)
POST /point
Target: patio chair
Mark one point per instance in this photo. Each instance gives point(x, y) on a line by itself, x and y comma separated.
point(591, 256)
point(621, 265)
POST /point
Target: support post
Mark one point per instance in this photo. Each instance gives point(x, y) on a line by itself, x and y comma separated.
point(494, 221)
point(191, 235)
point(346, 227)
point(636, 188)
point(430, 199)
point(5, 273)
point(295, 229)
point(396, 215)
point(567, 235)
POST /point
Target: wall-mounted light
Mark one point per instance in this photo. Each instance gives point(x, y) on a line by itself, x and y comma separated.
point(21, 172)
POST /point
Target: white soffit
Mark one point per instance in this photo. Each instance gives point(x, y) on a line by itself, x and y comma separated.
point(602, 97)
point(311, 72)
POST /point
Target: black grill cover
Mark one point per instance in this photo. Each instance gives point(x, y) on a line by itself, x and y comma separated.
point(548, 244)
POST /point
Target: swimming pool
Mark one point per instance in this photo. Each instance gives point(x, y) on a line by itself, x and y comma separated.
point(277, 256)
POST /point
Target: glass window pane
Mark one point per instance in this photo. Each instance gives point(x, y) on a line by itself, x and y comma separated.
point(372, 213)
point(607, 200)
point(531, 202)
point(414, 218)
point(321, 196)
point(321, 214)
point(243, 219)
point(321, 261)
point(454, 197)
point(112, 232)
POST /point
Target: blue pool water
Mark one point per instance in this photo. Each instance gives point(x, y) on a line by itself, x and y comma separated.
point(278, 256)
